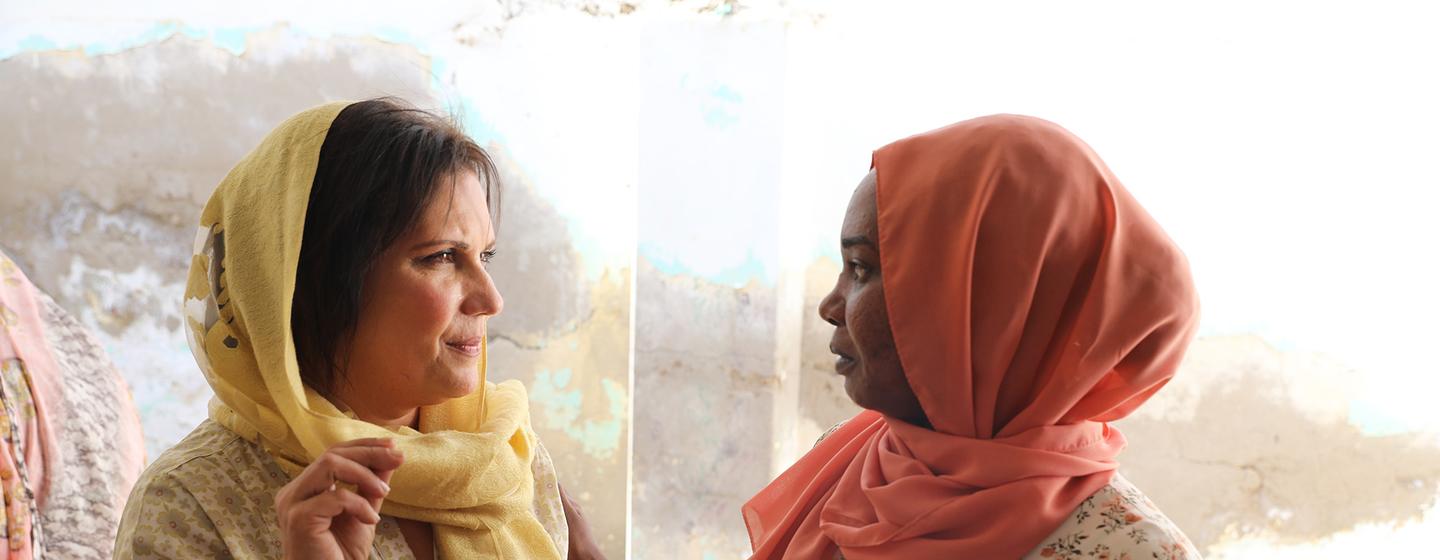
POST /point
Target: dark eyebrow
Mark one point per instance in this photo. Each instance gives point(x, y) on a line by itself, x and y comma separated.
point(849, 242)
point(458, 244)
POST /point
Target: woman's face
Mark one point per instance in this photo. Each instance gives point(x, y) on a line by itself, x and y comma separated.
point(423, 311)
point(863, 343)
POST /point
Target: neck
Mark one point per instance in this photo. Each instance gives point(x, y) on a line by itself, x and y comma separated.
point(378, 414)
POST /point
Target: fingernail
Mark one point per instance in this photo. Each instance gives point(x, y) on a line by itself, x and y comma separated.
point(384, 487)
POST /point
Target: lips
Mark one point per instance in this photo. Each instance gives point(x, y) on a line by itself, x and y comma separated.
point(842, 360)
point(466, 346)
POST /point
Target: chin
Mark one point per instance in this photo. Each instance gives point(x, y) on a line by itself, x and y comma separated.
point(441, 387)
point(850, 391)
point(462, 383)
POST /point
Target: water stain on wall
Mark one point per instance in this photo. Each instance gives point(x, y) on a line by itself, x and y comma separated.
point(537, 266)
point(704, 400)
point(567, 338)
point(113, 155)
point(110, 158)
point(1245, 459)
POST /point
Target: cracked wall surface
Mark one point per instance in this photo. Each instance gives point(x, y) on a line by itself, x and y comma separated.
point(111, 159)
point(1231, 453)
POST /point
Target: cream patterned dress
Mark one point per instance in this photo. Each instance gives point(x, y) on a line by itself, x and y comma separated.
point(213, 496)
point(1116, 523)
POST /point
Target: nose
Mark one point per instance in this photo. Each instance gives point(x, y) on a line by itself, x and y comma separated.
point(482, 298)
point(832, 307)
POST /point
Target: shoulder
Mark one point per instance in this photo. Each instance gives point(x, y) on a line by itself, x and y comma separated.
point(549, 509)
point(829, 431)
point(210, 489)
point(211, 455)
point(1118, 521)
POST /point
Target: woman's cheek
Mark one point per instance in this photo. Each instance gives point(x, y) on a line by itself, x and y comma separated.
point(432, 309)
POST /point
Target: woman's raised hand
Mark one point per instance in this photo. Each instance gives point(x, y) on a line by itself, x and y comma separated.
point(321, 517)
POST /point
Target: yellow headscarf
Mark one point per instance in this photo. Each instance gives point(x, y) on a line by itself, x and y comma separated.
point(467, 470)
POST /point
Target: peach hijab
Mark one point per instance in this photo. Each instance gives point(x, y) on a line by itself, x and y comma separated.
point(1032, 301)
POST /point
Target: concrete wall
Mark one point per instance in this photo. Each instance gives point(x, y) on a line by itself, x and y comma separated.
point(676, 173)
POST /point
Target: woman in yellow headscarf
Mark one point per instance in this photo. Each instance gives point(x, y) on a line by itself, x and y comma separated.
point(337, 304)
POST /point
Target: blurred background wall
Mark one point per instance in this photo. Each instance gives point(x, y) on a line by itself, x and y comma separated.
point(675, 175)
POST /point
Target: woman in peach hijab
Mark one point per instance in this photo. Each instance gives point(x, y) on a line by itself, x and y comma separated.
point(1003, 298)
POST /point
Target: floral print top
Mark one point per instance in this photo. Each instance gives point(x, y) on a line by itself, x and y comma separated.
point(1116, 523)
point(213, 496)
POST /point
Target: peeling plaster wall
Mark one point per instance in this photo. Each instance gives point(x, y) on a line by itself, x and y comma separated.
point(1289, 469)
point(705, 387)
point(112, 157)
point(676, 172)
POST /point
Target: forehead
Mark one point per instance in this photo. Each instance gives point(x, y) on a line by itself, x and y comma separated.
point(860, 215)
point(458, 207)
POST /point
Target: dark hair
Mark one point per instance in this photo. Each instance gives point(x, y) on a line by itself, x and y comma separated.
point(382, 163)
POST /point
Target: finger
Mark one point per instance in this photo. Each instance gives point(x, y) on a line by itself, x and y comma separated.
point(329, 505)
point(384, 477)
point(375, 458)
point(365, 442)
point(383, 465)
point(332, 467)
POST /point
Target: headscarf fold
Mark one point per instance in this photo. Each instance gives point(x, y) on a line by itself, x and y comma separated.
point(467, 468)
point(1032, 301)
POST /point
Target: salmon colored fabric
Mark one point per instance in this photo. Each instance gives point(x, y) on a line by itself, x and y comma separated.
point(28, 451)
point(1032, 301)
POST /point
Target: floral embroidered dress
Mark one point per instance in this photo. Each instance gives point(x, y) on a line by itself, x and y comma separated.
point(213, 496)
point(1116, 523)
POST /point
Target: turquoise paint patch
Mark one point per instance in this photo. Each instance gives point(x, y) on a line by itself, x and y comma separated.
point(725, 93)
point(474, 124)
point(716, 117)
point(738, 275)
point(1374, 420)
point(459, 106)
point(155, 34)
point(232, 39)
point(720, 106)
point(36, 43)
point(561, 410)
